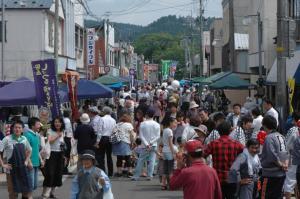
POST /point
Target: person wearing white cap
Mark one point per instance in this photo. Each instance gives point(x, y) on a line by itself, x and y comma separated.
point(85, 135)
point(193, 105)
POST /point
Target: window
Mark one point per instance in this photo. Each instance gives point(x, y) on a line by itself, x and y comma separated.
point(4, 31)
point(81, 38)
point(76, 37)
point(51, 31)
point(294, 12)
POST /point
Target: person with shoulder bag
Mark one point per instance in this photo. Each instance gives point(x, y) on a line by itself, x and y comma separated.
point(54, 165)
point(122, 138)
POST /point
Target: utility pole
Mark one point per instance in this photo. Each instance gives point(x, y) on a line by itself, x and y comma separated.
point(56, 26)
point(107, 41)
point(232, 66)
point(259, 29)
point(200, 70)
point(3, 38)
point(281, 95)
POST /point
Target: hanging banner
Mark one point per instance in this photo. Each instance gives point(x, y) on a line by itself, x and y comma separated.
point(46, 85)
point(91, 46)
point(165, 69)
point(291, 86)
point(72, 82)
point(173, 68)
point(146, 72)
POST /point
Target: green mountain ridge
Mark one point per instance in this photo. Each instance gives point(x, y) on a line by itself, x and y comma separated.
point(168, 24)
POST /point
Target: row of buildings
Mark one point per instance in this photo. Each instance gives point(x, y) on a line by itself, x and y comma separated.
point(238, 30)
point(86, 47)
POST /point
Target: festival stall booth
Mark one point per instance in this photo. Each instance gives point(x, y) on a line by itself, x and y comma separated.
point(18, 96)
point(115, 83)
point(22, 92)
point(87, 89)
point(235, 88)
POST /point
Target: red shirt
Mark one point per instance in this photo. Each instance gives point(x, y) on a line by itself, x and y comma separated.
point(224, 151)
point(198, 182)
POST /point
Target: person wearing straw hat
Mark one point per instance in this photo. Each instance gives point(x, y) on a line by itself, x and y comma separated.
point(90, 182)
point(201, 131)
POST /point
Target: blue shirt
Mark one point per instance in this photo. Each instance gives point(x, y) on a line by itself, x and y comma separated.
point(75, 183)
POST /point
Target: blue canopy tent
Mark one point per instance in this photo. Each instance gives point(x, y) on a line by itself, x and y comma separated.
point(87, 89)
point(22, 92)
point(116, 86)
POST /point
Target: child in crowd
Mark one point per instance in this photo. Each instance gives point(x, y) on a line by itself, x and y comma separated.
point(169, 151)
point(180, 125)
point(180, 145)
point(160, 162)
point(90, 182)
point(136, 150)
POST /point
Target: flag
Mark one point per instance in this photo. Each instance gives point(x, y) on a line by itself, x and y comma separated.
point(165, 69)
point(46, 85)
point(173, 68)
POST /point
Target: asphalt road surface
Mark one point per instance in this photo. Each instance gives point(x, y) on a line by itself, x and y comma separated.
point(123, 188)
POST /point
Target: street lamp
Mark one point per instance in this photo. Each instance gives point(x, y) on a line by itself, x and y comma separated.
point(246, 21)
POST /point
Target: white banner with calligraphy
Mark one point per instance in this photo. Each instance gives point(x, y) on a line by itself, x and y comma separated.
point(91, 46)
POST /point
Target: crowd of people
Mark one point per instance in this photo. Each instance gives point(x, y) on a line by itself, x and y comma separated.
point(171, 133)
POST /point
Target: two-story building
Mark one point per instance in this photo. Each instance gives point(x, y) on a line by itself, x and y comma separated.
point(29, 36)
point(104, 49)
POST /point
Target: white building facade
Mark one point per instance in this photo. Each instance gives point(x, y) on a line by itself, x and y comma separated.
point(30, 36)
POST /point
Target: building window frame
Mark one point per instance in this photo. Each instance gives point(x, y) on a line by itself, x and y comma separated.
point(5, 31)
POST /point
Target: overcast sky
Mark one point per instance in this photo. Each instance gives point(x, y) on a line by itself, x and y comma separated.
point(143, 12)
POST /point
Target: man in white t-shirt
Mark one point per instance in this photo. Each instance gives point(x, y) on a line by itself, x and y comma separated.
point(268, 106)
point(149, 135)
point(105, 146)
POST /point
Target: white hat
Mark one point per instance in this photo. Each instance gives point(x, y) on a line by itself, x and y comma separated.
point(202, 128)
point(193, 104)
point(85, 119)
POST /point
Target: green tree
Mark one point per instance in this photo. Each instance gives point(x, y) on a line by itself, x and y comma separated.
point(161, 46)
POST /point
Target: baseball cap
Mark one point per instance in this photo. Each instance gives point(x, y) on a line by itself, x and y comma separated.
point(193, 146)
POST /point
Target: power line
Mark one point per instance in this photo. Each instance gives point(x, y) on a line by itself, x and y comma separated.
point(155, 10)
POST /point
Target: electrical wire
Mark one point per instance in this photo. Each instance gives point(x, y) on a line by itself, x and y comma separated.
point(155, 10)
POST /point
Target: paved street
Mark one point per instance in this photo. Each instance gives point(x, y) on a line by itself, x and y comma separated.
point(122, 188)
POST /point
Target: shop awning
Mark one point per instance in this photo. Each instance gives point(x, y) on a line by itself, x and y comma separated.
point(214, 78)
point(87, 89)
point(22, 92)
point(231, 81)
point(116, 86)
point(109, 79)
point(197, 79)
point(292, 69)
